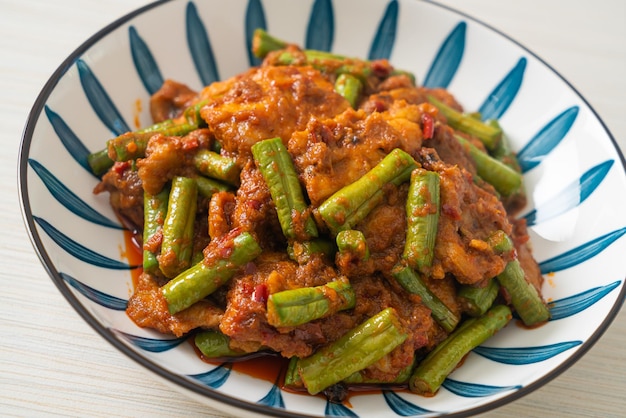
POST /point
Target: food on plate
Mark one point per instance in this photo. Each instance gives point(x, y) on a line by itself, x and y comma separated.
point(328, 210)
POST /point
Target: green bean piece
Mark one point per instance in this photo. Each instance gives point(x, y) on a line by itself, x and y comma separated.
point(263, 43)
point(301, 251)
point(208, 187)
point(129, 146)
point(99, 162)
point(351, 204)
point(276, 167)
point(177, 244)
point(294, 307)
point(358, 378)
point(292, 377)
point(213, 344)
point(438, 364)
point(412, 283)
point(216, 166)
point(350, 88)
point(487, 134)
point(353, 241)
point(503, 152)
point(154, 212)
point(503, 178)
point(500, 242)
point(475, 301)
point(422, 211)
point(224, 256)
point(524, 297)
point(355, 350)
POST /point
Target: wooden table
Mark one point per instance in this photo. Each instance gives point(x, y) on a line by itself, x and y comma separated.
point(53, 363)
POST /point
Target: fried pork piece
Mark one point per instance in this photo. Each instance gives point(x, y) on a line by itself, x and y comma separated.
point(148, 308)
point(267, 102)
point(171, 100)
point(521, 240)
point(125, 193)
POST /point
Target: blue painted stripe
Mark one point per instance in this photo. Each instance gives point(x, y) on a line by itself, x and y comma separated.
point(571, 196)
point(200, 46)
point(546, 139)
point(448, 59)
point(68, 138)
point(153, 345)
point(145, 64)
point(100, 100)
point(525, 355)
point(274, 398)
point(95, 295)
point(581, 253)
point(338, 410)
point(320, 31)
point(68, 199)
point(214, 378)
point(401, 406)
point(572, 305)
point(255, 18)
point(79, 251)
point(475, 390)
point(385, 37)
point(505, 92)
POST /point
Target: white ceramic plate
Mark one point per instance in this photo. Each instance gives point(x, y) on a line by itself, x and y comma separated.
point(572, 168)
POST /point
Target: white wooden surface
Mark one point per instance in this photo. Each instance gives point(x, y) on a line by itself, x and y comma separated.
point(54, 364)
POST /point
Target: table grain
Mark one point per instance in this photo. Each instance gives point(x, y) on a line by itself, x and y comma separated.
point(53, 364)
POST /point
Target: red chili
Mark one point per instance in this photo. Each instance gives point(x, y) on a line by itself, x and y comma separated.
point(428, 125)
point(260, 293)
point(120, 166)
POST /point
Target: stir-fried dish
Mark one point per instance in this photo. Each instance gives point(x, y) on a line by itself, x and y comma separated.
point(328, 210)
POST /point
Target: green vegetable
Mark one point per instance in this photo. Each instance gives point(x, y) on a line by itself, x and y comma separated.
point(357, 349)
point(291, 308)
point(422, 211)
point(154, 211)
point(99, 162)
point(214, 344)
point(226, 255)
point(412, 283)
point(216, 166)
point(350, 87)
point(177, 244)
point(353, 241)
point(477, 300)
point(276, 166)
point(439, 363)
point(351, 204)
point(301, 252)
point(208, 187)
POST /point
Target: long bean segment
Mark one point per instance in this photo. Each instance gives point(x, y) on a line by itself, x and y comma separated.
point(177, 245)
point(350, 87)
point(489, 135)
point(475, 301)
point(216, 166)
point(357, 349)
point(213, 344)
point(223, 258)
point(502, 177)
point(422, 211)
point(208, 187)
point(412, 283)
point(99, 162)
point(352, 241)
point(274, 162)
point(294, 307)
point(301, 251)
point(351, 204)
point(439, 363)
point(155, 212)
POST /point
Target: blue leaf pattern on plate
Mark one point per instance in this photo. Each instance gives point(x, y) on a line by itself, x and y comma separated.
point(200, 46)
point(386, 33)
point(338, 410)
point(546, 139)
point(503, 95)
point(401, 406)
point(145, 64)
point(273, 398)
point(214, 378)
point(581, 253)
point(571, 196)
point(475, 390)
point(95, 295)
point(100, 100)
point(255, 18)
point(525, 355)
point(321, 28)
point(448, 59)
point(68, 138)
point(79, 251)
point(68, 199)
point(153, 345)
point(572, 305)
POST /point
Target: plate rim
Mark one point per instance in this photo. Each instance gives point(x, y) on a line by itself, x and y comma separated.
point(207, 392)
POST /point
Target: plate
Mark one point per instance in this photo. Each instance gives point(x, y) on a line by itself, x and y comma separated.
point(572, 168)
